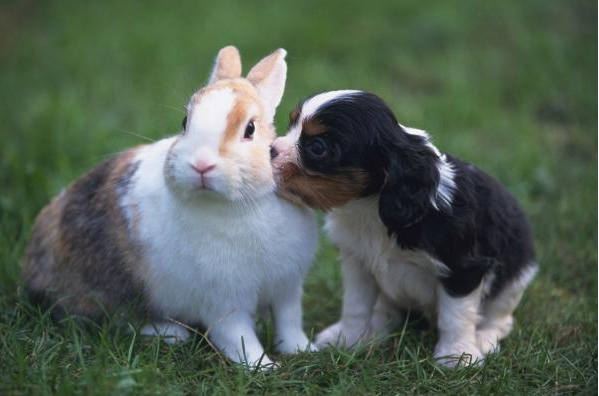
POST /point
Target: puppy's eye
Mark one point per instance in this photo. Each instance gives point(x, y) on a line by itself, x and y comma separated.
point(317, 147)
point(249, 130)
point(184, 123)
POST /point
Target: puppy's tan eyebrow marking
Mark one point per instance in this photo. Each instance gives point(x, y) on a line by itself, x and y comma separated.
point(313, 127)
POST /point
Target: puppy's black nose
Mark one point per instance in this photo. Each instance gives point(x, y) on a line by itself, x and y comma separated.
point(273, 152)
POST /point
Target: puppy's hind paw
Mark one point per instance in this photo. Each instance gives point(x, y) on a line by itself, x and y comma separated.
point(488, 341)
point(456, 355)
point(312, 347)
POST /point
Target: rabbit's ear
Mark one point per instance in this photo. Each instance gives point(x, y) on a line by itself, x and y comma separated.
point(226, 65)
point(269, 76)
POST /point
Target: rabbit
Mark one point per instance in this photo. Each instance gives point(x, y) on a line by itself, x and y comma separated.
point(190, 226)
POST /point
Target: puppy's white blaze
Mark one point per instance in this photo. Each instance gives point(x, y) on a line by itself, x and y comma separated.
point(309, 107)
point(446, 187)
point(208, 118)
point(314, 103)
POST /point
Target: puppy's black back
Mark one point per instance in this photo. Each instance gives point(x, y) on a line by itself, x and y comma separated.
point(485, 230)
point(479, 230)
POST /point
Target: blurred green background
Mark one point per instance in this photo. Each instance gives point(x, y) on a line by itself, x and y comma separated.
point(510, 86)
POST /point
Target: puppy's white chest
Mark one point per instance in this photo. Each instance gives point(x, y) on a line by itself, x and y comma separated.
point(407, 277)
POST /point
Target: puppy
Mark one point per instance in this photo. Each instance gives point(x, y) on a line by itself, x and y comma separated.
point(417, 229)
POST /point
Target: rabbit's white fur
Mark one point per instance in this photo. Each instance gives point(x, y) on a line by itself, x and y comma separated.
point(219, 254)
point(217, 263)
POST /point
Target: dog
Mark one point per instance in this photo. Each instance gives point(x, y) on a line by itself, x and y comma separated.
point(417, 229)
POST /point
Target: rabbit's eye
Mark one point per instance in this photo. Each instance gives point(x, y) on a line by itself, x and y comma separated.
point(249, 130)
point(184, 123)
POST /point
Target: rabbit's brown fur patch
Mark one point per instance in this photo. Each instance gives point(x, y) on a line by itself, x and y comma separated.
point(81, 256)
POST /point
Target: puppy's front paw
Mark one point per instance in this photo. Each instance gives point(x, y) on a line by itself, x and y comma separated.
point(338, 335)
point(488, 341)
point(296, 343)
point(456, 354)
point(489, 335)
point(263, 364)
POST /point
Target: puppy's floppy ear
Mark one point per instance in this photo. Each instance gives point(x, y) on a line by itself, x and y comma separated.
point(269, 76)
point(226, 65)
point(410, 184)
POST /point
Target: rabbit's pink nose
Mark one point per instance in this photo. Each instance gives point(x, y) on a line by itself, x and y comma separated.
point(203, 167)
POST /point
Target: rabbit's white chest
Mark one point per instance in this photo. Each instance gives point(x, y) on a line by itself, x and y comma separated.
point(206, 259)
point(202, 260)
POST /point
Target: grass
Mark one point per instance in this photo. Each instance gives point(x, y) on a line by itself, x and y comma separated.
point(509, 86)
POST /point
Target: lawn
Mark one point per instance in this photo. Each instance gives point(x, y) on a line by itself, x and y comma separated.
point(510, 86)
